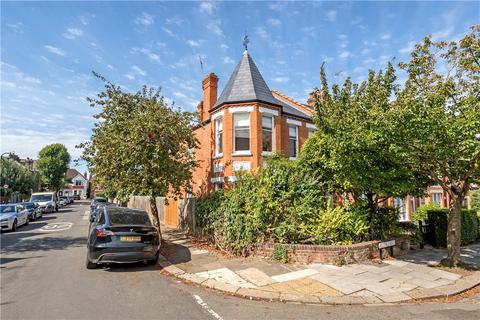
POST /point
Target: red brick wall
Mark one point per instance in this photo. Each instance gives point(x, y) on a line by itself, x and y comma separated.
point(337, 255)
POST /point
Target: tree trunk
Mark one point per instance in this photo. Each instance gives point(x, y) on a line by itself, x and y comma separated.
point(454, 231)
point(153, 207)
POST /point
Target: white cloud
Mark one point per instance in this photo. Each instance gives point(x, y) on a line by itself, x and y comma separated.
point(55, 50)
point(274, 22)
point(72, 33)
point(385, 36)
point(331, 15)
point(170, 32)
point(228, 60)
point(145, 19)
point(262, 33)
point(134, 71)
point(344, 55)
point(16, 27)
point(407, 48)
point(442, 34)
point(175, 20)
point(150, 55)
point(281, 79)
point(224, 46)
point(180, 95)
point(208, 7)
point(109, 66)
point(193, 43)
point(214, 26)
point(309, 31)
point(342, 36)
point(139, 71)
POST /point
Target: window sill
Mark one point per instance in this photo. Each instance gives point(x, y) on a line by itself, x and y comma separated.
point(241, 153)
point(293, 158)
point(218, 156)
point(268, 153)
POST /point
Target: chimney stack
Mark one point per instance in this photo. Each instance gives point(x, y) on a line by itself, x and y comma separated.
point(209, 85)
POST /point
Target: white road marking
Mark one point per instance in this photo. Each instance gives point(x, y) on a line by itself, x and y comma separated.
point(86, 215)
point(53, 227)
point(206, 307)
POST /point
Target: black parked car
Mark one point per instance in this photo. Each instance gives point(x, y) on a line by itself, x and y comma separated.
point(95, 201)
point(121, 235)
point(98, 207)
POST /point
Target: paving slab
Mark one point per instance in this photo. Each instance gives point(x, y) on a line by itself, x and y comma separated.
point(226, 275)
point(294, 275)
point(255, 276)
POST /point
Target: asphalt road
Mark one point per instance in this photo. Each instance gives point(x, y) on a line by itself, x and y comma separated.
point(43, 276)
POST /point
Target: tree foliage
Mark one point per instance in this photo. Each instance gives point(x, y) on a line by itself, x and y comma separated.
point(352, 147)
point(53, 162)
point(140, 145)
point(17, 177)
point(437, 118)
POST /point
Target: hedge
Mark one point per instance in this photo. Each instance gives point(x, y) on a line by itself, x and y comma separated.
point(438, 219)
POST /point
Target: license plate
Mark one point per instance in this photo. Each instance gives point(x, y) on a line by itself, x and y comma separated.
point(131, 238)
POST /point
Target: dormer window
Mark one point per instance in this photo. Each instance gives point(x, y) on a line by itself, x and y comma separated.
point(241, 133)
point(218, 137)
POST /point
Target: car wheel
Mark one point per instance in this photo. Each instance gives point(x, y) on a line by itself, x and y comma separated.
point(14, 225)
point(90, 265)
point(154, 261)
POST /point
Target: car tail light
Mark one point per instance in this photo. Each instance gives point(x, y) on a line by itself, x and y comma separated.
point(101, 233)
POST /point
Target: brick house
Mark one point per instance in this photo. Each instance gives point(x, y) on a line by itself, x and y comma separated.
point(244, 125)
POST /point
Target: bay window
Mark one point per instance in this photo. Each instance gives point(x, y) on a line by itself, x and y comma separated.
point(218, 137)
point(241, 133)
point(267, 133)
point(293, 141)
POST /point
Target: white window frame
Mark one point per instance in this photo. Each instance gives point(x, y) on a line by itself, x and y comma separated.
point(242, 152)
point(216, 122)
point(440, 197)
point(296, 142)
point(268, 115)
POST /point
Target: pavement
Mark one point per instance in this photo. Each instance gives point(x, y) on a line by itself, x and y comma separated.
point(43, 277)
point(389, 281)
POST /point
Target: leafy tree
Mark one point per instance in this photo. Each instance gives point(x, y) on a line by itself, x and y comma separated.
point(352, 147)
point(53, 161)
point(437, 118)
point(17, 177)
point(140, 145)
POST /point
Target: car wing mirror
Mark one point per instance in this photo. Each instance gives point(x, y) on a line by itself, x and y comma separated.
point(92, 218)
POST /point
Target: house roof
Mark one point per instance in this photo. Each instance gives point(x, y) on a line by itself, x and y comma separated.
point(72, 173)
point(247, 84)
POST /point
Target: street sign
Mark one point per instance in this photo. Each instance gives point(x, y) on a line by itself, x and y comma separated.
point(386, 244)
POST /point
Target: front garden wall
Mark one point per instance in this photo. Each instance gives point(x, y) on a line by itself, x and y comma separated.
point(333, 254)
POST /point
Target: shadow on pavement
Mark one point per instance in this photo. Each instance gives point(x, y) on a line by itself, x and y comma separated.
point(128, 267)
point(5, 260)
point(175, 253)
point(41, 244)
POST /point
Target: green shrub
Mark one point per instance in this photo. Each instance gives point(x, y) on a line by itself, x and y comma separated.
point(475, 200)
point(439, 219)
point(421, 213)
point(280, 253)
point(206, 210)
point(340, 225)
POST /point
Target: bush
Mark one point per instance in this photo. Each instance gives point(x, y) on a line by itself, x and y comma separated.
point(475, 200)
point(341, 225)
point(421, 213)
point(206, 210)
point(439, 220)
point(280, 253)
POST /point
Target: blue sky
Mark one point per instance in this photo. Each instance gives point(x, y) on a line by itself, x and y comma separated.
point(48, 50)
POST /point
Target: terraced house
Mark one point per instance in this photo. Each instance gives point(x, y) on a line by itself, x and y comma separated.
point(244, 125)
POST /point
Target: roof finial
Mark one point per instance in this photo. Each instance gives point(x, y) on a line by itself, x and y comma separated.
point(245, 41)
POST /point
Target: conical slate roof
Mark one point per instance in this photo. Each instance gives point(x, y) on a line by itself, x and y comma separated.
point(246, 84)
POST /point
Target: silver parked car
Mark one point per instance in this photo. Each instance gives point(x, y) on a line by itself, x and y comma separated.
point(12, 216)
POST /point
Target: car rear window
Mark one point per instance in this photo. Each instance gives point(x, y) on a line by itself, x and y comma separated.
point(128, 217)
point(100, 200)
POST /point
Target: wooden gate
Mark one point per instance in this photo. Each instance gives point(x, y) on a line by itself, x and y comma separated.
point(171, 213)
